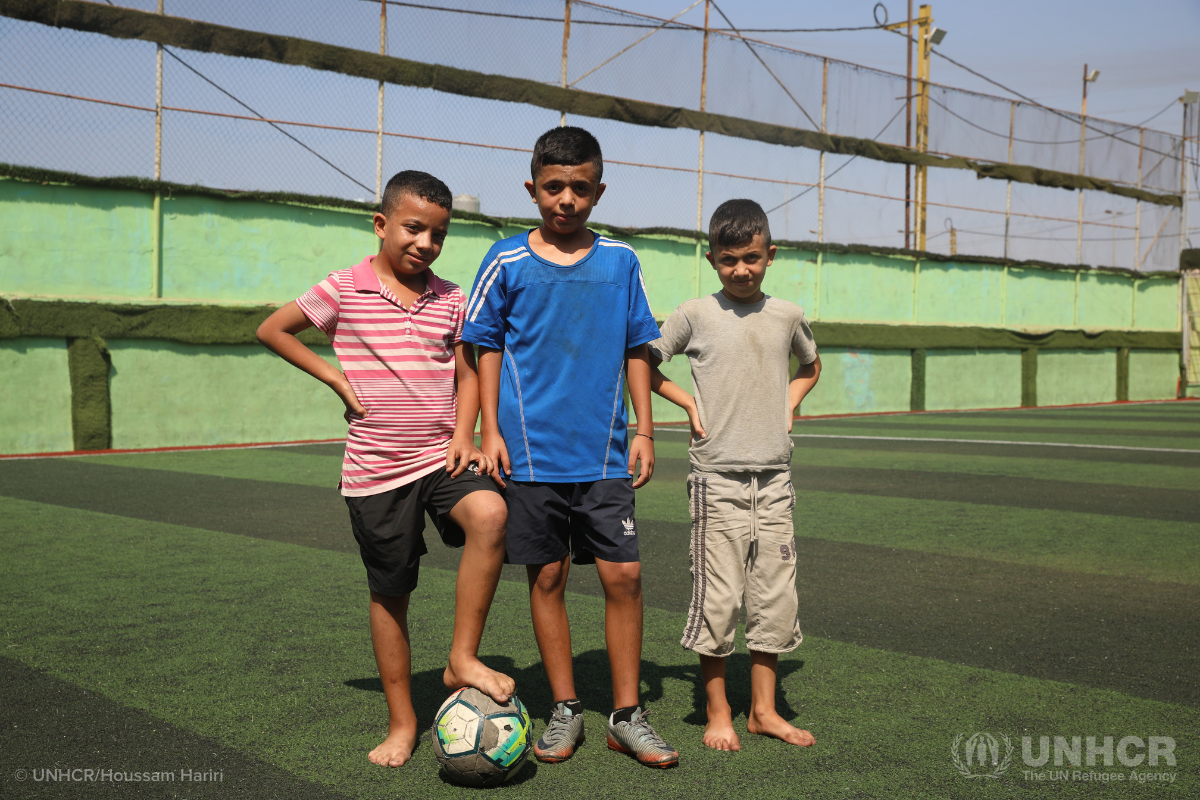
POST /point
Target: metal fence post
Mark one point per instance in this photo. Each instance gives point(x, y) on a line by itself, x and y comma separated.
point(156, 211)
point(562, 120)
point(821, 186)
point(703, 97)
point(379, 122)
point(1012, 118)
point(1137, 218)
point(1082, 144)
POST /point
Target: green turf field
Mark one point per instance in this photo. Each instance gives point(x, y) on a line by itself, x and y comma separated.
point(207, 611)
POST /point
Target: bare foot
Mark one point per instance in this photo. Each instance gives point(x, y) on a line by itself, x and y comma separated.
point(473, 672)
point(771, 724)
point(397, 748)
point(719, 733)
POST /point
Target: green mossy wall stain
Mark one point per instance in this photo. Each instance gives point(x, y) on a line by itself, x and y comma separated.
point(90, 366)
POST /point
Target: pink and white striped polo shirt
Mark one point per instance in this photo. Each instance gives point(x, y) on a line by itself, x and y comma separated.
point(400, 363)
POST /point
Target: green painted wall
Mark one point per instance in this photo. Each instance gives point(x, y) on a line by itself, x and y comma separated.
point(863, 288)
point(35, 396)
point(249, 251)
point(861, 381)
point(1077, 376)
point(1105, 301)
point(960, 294)
point(972, 379)
point(1157, 305)
point(1153, 374)
point(91, 243)
point(172, 395)
point(72, 241)
point(1040, 299)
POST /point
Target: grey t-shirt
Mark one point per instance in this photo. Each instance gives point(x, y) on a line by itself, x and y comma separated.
point(739, 354)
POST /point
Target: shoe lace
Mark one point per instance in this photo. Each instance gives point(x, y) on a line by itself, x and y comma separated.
point(560, 720)
point(642, 730)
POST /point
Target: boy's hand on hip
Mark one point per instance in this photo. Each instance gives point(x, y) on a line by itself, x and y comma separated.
point(354, 409)
point(496, 451)
point(694, 421)
point(641, 449)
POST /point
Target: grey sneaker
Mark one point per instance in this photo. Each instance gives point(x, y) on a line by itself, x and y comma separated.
point(636, 738)
point(563, 734)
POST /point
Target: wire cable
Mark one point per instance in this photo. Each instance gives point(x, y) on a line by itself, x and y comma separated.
point(212, 83)
point(787, 91)
point(842, 167)
point(220, 89)
point(1069, 117)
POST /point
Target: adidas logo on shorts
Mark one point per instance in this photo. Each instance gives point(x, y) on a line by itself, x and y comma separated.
point(629, 528)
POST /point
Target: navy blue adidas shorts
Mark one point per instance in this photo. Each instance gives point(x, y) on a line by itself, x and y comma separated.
point(589, 520)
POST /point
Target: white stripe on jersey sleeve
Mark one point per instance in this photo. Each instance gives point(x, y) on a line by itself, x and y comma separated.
point(483, 292)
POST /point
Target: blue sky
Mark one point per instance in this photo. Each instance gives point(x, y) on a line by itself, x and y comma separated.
point(1147, 51)
point(1146, 60)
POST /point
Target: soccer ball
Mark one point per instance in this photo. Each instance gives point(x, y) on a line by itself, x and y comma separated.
point(480, 742)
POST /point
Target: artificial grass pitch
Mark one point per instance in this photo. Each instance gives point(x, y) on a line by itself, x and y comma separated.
point(262, 648)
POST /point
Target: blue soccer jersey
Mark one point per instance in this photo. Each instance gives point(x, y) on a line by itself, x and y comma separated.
point(563, 331)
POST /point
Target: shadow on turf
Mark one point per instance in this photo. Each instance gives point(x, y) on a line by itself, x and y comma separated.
point(592, 681)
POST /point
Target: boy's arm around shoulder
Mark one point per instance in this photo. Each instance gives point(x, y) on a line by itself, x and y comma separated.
point(676, 332)
point(278, 334)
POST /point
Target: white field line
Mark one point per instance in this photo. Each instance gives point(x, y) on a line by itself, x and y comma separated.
point(992, 441)
point(970, 441)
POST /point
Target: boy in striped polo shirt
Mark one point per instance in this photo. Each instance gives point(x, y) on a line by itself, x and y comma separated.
point(412, 397)
point(560, 315)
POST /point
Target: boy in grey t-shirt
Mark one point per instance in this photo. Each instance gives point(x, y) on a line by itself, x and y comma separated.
point(739, 342)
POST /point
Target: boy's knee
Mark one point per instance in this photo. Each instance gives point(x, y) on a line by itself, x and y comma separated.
point(486, 516)
point(623, 579)
point(550, 578)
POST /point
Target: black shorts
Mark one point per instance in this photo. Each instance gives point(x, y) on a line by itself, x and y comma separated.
point(590, 520)
point(388, 526)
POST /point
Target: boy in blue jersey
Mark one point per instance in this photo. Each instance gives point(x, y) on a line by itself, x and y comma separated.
point(561, 317)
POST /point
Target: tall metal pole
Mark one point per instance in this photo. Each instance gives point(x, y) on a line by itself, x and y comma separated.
point(158, 107)
point(1012, 118)
point(1137, 219)
point(1082, 143)
point(562, 120)
point(156, 210)
point(703, 97)
point(1185, 317)
point(821, 187)
point(908, 132)
point(379, 123)
point(925, 22)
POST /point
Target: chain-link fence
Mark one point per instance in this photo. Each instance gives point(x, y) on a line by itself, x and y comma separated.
point(88, 103)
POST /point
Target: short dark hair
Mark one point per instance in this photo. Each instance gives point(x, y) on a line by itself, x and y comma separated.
point(420, 184)
point(568, 146)
point(735, 222)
